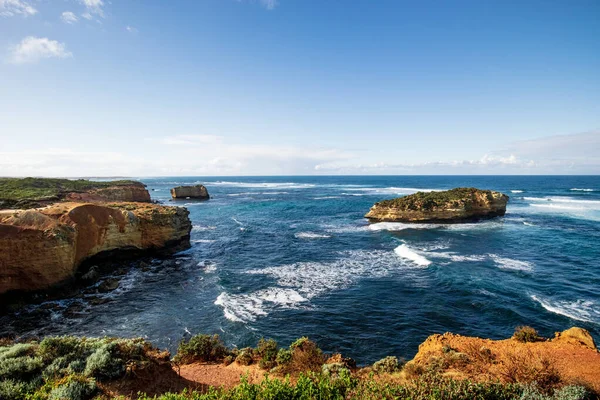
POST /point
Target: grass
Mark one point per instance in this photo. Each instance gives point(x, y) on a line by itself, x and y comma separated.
point(36, 189)
point(459, 197)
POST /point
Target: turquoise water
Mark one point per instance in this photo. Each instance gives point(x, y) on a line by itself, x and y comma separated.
point(284, 257)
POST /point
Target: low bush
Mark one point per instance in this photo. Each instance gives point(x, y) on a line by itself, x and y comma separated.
point(65, 367)
point(201, 348)
point(389, 364)
point(526, 334)
point(245, 357)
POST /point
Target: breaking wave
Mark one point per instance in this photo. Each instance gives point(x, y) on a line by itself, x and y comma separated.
point(311, 235)
point(509, 263)
point(406, 252)
point(580, 310)
point(297, 283)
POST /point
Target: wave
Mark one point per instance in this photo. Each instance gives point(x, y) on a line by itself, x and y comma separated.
point(559, 207)
point(583, 190)
point(200, 228)
point(400, 226)
point(392, 190)
point(406, 252)
point(310, 235)
point(203, 241)
point(563, 200)
point(580, 310)
point(208, 267)
point(457, 257)
point(296, 284)
point(326, 197)
point(516, 191)
point(512, 264)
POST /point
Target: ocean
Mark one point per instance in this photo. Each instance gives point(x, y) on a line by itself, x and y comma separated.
point(284, 257)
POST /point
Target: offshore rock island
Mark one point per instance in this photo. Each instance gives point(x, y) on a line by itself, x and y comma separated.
point(456, 205)
point(65, 223)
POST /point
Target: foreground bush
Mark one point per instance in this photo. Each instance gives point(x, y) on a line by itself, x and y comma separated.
point(346, 387)
point(201, 348)
point(65, 367)
point(526, 334)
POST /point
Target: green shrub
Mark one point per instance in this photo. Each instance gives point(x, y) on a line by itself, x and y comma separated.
point(388, 365)
point(267, 350)
point(245, 357)
point(573, 392)
point(21, 368)
point(284, 356)
point(103, 364)
point(201, 348)
point(73, 387)
point(334, 369)
point(526, 334)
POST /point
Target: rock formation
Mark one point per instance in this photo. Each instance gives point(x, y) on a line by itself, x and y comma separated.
point(40, 248)
point(44, 246)
point(38, 192)
point(197, 192)
point(571, 353)
point(456, 205)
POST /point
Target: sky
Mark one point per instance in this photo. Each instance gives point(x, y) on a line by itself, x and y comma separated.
point(299, 87)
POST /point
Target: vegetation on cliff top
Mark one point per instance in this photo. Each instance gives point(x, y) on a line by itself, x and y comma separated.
point(459, 197)
point(18, 189)
point(81, 368)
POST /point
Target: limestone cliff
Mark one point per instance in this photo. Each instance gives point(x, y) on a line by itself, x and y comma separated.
point(21, 193)
point(40, 248)
point(456, 205)
point(198, 192)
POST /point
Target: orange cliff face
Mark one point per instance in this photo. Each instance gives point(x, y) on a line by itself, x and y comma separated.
point(571, 355)
point(40, 248)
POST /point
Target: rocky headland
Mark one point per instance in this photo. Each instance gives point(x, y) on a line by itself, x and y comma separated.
point(76, 221)
point(197, 192)
point(450, 206)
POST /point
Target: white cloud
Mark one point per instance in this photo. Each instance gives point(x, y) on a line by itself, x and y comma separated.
point(191, 140)
point(32, 49)
point(68, 17)
point(93, 7)
point(9, 8)
point(131, 29)
point(269, 4)
point(87, 16)
point(563, 154)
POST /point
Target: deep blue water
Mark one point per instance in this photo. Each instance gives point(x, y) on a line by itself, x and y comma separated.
point(284, 257)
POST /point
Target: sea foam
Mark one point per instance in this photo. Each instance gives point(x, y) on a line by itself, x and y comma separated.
point(296, 284)
point(580, 310)
point(311, 235)
point(406, 252)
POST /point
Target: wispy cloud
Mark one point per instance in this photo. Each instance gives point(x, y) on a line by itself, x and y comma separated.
point(32, 49)
point(69, 17)
point(9, 8)
point(131, 29)
point(93, 7)
point(269, 4)
point(572, 154)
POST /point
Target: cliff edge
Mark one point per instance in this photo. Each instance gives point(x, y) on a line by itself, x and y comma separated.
point(43, 247)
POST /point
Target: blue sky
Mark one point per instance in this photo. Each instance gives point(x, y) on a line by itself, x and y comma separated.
point(265, 87)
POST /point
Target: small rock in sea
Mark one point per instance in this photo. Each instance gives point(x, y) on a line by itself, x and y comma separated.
point(74, 310)
point(108, 285)
point(95, 301)
point(92, 275)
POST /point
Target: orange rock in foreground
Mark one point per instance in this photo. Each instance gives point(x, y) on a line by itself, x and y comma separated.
point(572, 354)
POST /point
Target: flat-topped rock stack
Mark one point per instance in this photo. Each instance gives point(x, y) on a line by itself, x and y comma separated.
point(450, 206)
point(197, 192)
